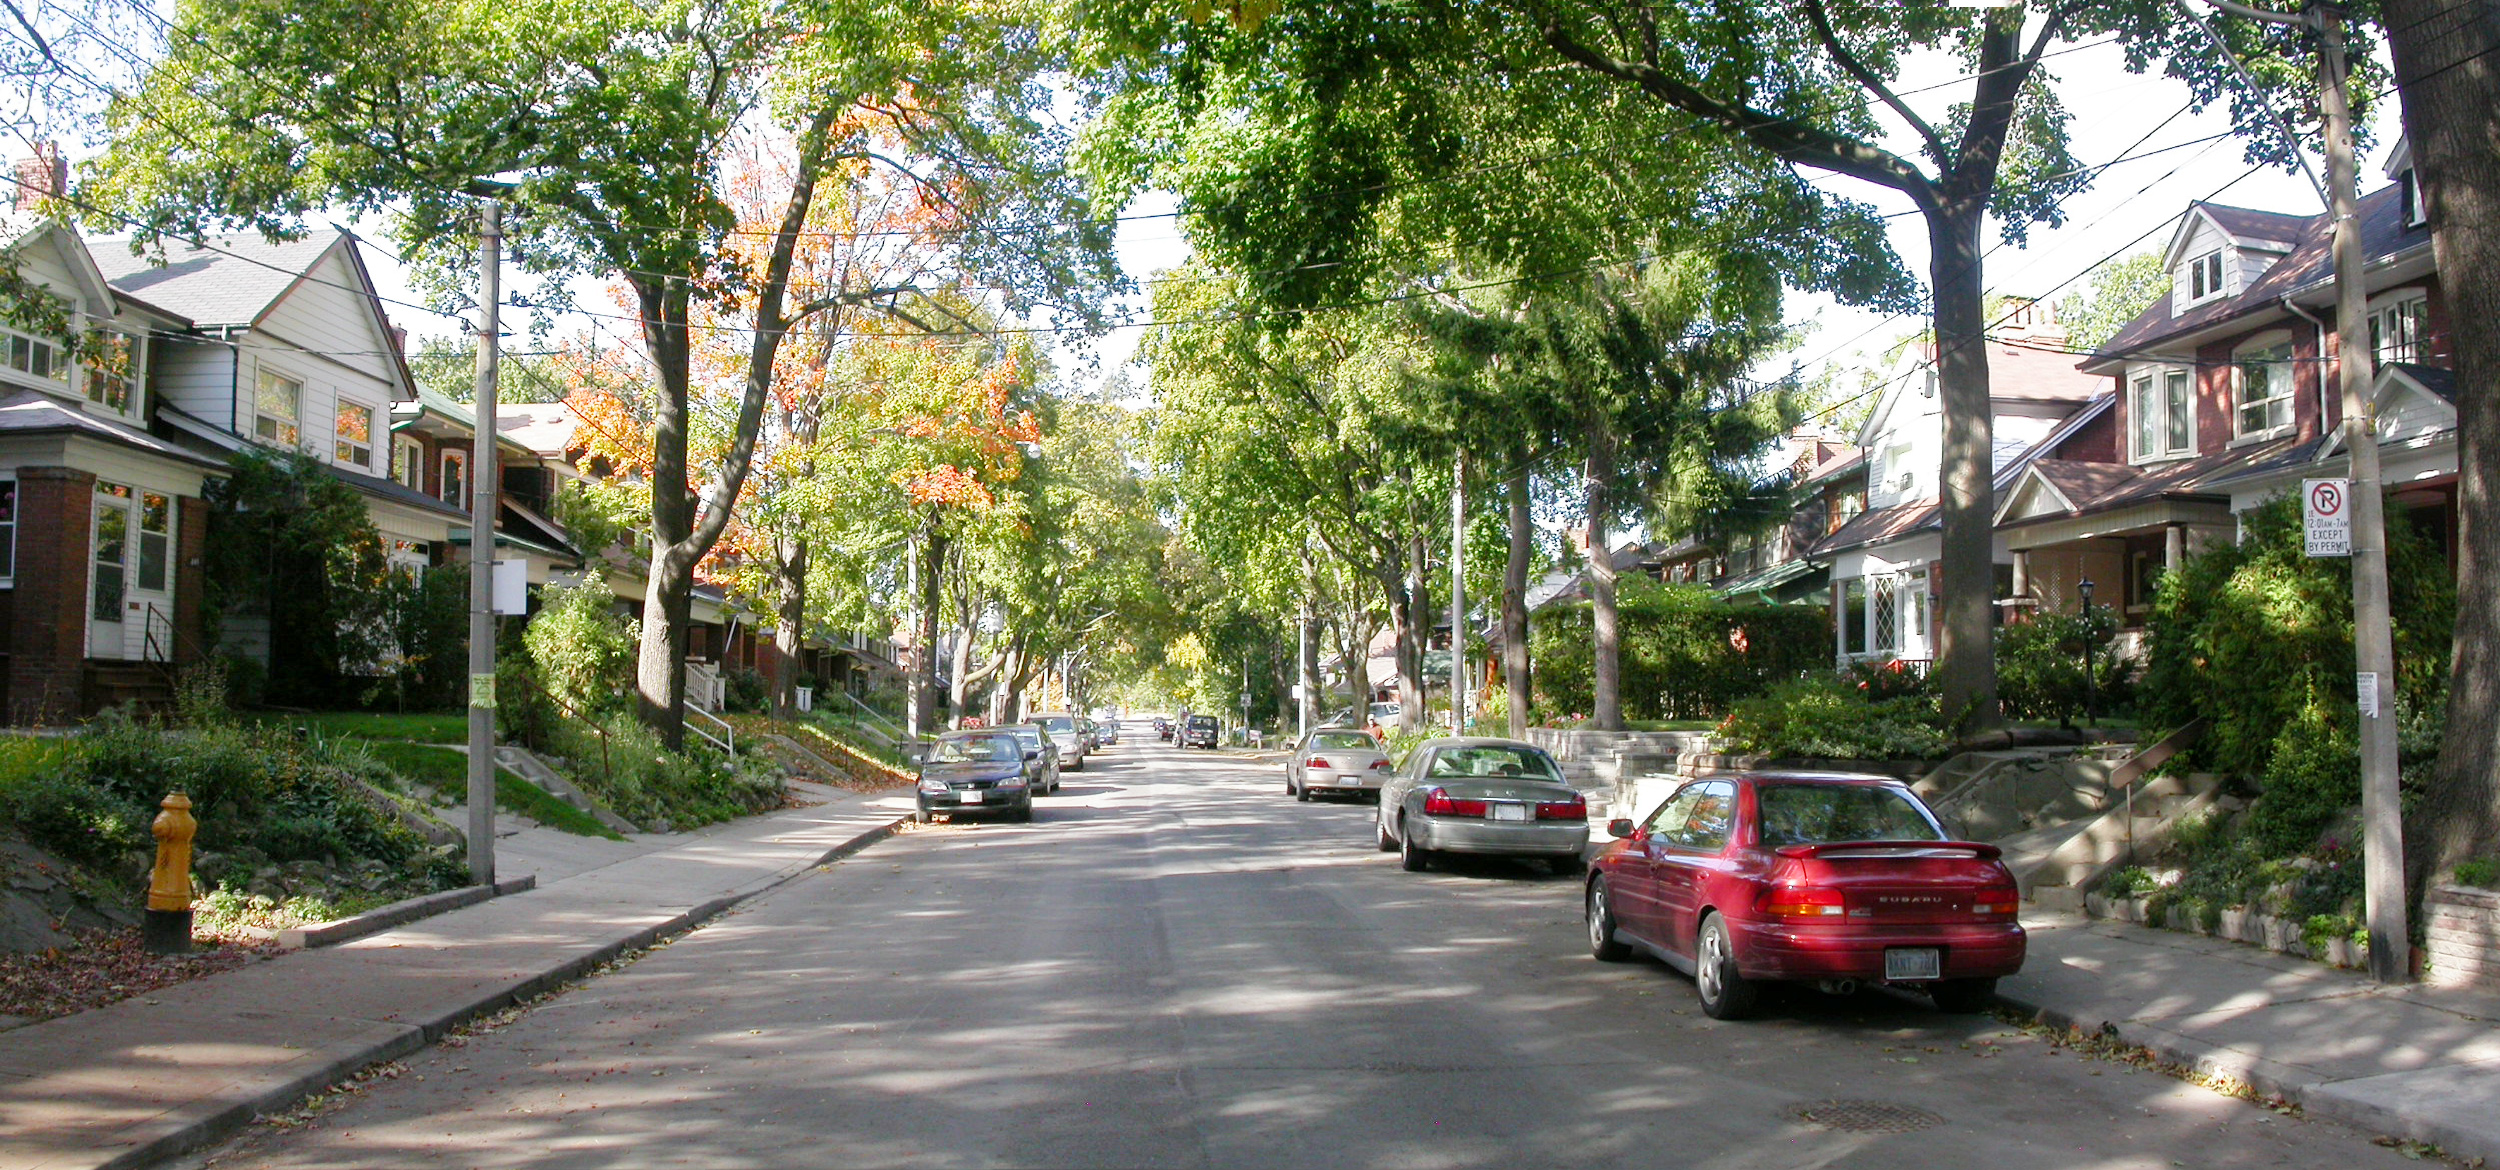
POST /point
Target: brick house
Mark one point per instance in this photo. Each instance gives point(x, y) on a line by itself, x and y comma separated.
point(2228, 395)
point(102, 524)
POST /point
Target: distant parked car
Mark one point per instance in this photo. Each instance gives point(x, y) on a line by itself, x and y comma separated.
point(1041, 755)
point(1202, 731)
point(1070, 737)
point(1163, 729)
point(1335, 760)
point(1485, 796)
point(974, 771)
point(1826, 879)
point(1110, 732)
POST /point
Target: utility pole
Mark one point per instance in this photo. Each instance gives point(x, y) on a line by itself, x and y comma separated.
point(485, 486)
point(2374, 655)
point(1458, 595)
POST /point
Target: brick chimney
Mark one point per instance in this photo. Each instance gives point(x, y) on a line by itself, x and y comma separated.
point(44, 175)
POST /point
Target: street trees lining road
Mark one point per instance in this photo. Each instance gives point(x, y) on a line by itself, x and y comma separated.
point(604, 125)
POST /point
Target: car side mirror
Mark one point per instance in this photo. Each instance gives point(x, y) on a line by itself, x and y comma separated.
point(1035, 754)
point(1620, 827)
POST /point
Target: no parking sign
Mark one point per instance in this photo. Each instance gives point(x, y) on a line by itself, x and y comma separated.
point(2326, 517)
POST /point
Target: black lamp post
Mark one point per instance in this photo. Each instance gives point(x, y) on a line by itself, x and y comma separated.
point(2088, 686)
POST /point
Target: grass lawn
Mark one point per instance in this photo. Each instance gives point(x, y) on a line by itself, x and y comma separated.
point(447, 772)
point(1669, 724)
point(375, 725)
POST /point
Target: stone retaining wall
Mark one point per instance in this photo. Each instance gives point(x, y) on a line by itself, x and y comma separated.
point(2280, 935)
point(2462, 928)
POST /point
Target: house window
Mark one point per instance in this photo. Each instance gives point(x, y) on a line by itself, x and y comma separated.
point(355, 441)
point(156, 533)
point(2415, 213)
point(2205, 276)
point(455, 475)
point(2165, 413)
point(112, 366)
point(8, 531)
point(33, 355)
point(1883, 621)
point(277, 409)
point(2396, 331)
point(2264, 396)
point(408, 462)
point(1853, 617)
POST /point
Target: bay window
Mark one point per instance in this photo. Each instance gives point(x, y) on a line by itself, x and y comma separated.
point(2163, 409)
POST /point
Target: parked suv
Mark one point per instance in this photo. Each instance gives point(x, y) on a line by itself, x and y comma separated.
point(1202, 731)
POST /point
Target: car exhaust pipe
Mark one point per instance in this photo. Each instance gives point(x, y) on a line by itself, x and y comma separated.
point(1840, 987)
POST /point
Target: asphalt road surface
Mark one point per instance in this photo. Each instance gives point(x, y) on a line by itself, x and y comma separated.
point(1178, 966)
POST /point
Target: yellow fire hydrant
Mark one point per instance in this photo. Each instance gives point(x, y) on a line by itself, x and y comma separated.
point(167, 930)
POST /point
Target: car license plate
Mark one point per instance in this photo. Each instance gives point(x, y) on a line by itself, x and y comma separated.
point(1911, 963)
point(1508, 812)
point(969, 796)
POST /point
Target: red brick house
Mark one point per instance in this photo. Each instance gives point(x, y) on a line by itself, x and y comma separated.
point(102, 523)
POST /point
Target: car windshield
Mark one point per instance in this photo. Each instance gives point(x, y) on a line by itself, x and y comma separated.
point(1056, 724)
point(984, 749)
point(1030, 737)
point(1526, 763)
point(1202, 722)
point(1815, 814)
point(1344, 741)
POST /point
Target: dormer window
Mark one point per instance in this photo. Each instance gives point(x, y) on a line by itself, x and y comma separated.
point(2205, 276)
point(2416, 214)
point(277, 408)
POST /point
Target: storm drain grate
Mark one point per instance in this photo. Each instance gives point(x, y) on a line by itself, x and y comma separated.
point(1867, 1117)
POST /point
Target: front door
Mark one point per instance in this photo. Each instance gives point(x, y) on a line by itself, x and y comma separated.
point(108, 572)
point(150, 607)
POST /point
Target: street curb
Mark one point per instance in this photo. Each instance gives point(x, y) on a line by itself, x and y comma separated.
point(217, 1121)
point(399, 913)
point(2316, 1098)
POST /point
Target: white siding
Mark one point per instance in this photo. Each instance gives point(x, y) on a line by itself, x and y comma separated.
point(2205, 238)
point(350, 360)
point(197, 378)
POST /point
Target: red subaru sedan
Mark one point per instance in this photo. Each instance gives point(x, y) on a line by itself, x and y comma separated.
point(1831, 880)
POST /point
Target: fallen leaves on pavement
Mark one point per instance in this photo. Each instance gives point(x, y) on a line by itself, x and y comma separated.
point(101, 967)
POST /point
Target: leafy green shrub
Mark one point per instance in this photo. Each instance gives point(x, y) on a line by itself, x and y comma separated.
point(2480, 871)
point(292, 544)
point(2040, 672)
point(425, 617)
point(2256, 638)
point(745, 691)
point(1826, 716)
point(55, 809)
point(630, 772)
point(583, 651)
point(2133, 881)
point(1685, 654)
point(1889, 678)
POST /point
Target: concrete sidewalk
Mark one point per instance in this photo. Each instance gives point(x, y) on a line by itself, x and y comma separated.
point(138, 1081)
point(2417, 1063)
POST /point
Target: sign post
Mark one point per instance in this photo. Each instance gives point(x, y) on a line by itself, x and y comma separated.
point(2326, 517)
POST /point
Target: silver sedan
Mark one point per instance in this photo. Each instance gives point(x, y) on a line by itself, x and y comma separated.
point(1485, 796)
point(1335, 760)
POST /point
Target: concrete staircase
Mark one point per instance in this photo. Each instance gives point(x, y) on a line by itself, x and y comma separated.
point(1624, 773)
point(146, 688)
point(529, 767)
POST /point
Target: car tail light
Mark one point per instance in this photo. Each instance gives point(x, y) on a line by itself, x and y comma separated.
point(1380, 765)
point(1574, 809)
point(1317, 762)
point(1440, 804)
point(1804, 902)
point(1996, 902)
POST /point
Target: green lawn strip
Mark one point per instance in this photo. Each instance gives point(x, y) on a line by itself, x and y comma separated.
point(447, 772)
point(379, 726)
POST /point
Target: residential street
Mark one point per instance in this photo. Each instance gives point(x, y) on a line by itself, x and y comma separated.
point(1179, 966)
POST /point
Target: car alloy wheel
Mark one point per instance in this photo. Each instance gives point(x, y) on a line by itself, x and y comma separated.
point(1411, 857)
point(1725, 995)
point(1601, 921)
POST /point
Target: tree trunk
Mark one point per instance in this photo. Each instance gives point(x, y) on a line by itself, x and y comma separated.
point(924, 639)
point(1515, 605)
point(959, 681)
point(789, 618)
point(668, 599)
point(1605, 662)
point(1965, 667)
point(2447, 58)
point(1357, 647)
point(1414, 636)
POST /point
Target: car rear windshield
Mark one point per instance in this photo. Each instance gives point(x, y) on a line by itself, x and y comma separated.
point(1202, 722)
point(1522, 762)
point(1055, 724)
point(974, 750)
point(1344, 741)
point(1815, 814)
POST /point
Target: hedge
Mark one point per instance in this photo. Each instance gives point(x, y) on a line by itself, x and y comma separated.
point(1685, 653)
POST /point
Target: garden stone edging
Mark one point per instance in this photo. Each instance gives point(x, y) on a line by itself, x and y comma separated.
point(2280, 935)
point(399, 913)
